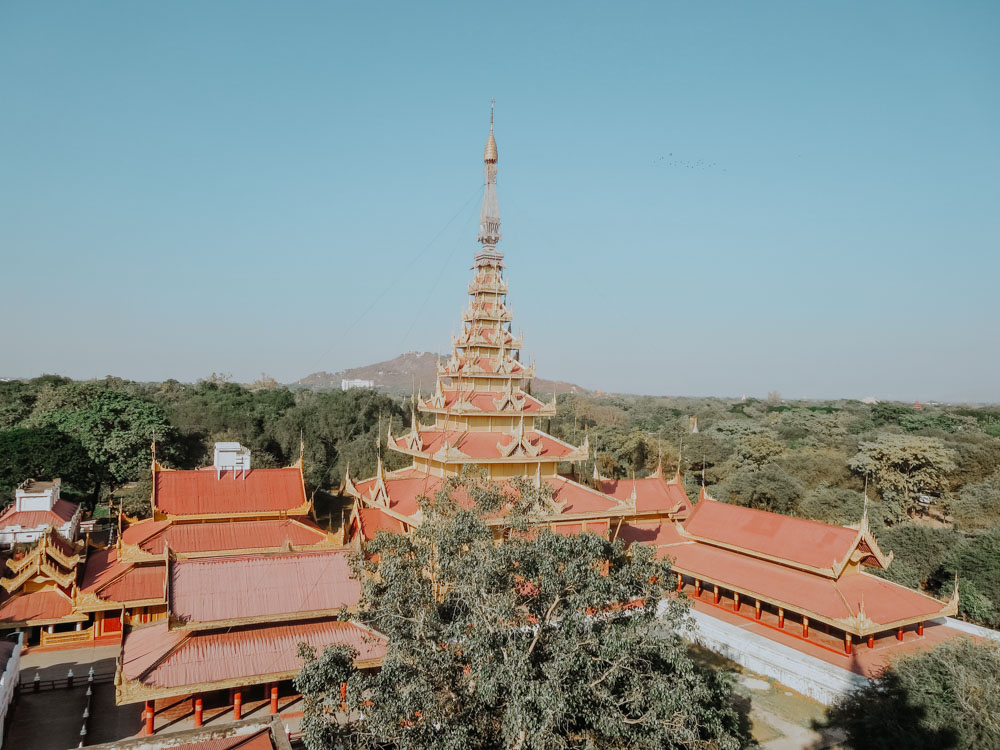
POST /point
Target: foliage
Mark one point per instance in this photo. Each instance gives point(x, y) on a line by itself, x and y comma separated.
point(903, 466)
point(978, 504)
point(135, 498)
point(45, 453)
point(832, 505)
point(113, 422)
point(516, 645)
point(944, 698)
point(769, 488)
point(919, 553)
point(976, 561)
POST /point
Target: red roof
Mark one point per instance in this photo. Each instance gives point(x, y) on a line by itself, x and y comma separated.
point(102, 567)
point(259, 740)
point(578, 498)
point(117, 581)
point(651, 493)
point(811, 543)
point(161, 658)
point(226, 535)
point(142, 530)
point(139, 583)
point(484, 400)
point(484, 445)
point(653, 533)
point(62, 512)
point(834, 599)
point(373, 520)
point(48, 604)
point(199, 492)
point(405, 487)
point(211, 589)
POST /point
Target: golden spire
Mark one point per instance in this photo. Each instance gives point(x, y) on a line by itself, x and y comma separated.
point(490, 152)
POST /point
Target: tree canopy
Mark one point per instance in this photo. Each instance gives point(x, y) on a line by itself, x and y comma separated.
point(948, 697)
point(543, 641)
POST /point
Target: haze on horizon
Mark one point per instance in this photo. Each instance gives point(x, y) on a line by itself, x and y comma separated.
point(696, 200)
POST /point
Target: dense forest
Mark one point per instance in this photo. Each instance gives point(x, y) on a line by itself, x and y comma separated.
point(931, 474)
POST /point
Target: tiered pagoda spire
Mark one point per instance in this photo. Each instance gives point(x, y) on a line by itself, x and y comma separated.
point(478, 388)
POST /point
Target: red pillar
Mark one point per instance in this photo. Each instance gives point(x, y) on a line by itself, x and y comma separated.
point(717, 596)
point(237, 705)
point(805, 627)
point(899, 634)
point(920, 628)
point(871, 640)
point(848, 640)
point(756, 609)
point(680, 582)
point(198, 710)
point(697, 587)
point(343, 696)
point(736, 602)
point(781, 618)
point(148, 713)
point(274, 698)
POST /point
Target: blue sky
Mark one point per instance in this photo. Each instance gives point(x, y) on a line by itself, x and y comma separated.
point(697, 198)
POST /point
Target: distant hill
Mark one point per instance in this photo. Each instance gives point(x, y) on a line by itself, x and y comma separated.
point(408, 371)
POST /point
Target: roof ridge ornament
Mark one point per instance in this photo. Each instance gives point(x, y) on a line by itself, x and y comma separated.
point(489, 214)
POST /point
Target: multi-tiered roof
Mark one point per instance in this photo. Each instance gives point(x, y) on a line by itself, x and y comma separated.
point(484, 417)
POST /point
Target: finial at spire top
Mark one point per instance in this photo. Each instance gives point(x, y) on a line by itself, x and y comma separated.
point(490, 153)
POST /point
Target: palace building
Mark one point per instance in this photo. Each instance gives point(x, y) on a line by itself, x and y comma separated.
point(778, 572)
point(245, 577)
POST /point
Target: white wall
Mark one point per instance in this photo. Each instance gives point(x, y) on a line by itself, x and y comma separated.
point(8, 682)
point(806, 674)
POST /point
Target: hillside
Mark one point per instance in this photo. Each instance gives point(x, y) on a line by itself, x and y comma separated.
point(408, 371)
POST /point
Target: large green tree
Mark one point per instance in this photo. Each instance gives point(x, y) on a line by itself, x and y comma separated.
point(543, 641)
point(111, 419)
point(948, 697)
point(44, 453)
point(903, 466)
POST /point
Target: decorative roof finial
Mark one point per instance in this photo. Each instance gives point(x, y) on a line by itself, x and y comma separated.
point(489, 215)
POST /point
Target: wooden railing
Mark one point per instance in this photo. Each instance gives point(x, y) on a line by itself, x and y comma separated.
point(71, 636)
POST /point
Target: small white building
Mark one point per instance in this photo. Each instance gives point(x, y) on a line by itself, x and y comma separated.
point(231, 457)
point(37, 506)
point(346, 385)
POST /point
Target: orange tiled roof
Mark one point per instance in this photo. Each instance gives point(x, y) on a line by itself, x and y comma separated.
point(810, 543)
point(652, 493)
point(118, 581)
point(44, 605)
point(210, 589)
point(484, 400)
point(373, 520)
point(235, 535)
point(160, 658)
point(484, 445)
point(62, 512)
point(882, 601)
point(199, 492)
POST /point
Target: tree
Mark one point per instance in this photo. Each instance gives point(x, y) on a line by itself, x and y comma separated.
point(543, 641)
point(113, 423)
point(944, 698)
point(770, 488)
point(978, 504)
point(44, 453)
point(903, 466)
